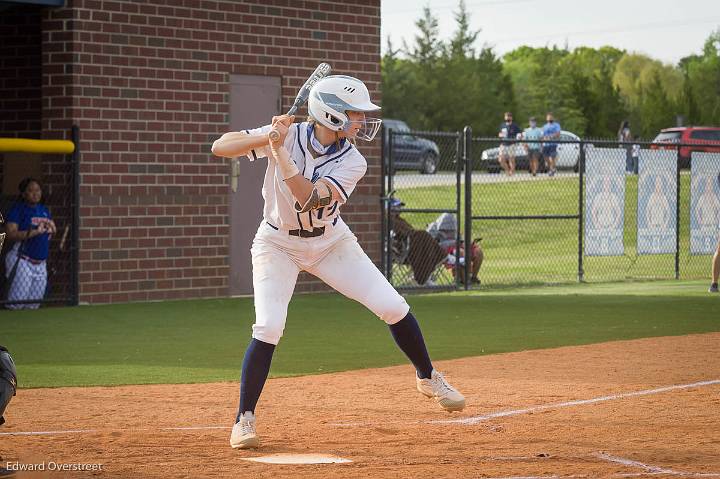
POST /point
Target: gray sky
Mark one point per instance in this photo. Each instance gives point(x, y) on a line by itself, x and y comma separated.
point(664, 29)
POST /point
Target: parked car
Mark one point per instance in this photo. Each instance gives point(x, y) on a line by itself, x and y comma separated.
point(700, 138)
point(410, 152)
point(568, 155)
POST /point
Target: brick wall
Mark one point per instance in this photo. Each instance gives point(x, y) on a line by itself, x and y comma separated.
point(147, 83)
point(20, 74)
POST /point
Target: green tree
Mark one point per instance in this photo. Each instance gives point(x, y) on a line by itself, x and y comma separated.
point(475, 90)
point(423, 75)
point(592, 89)
point(463, 41)
point(445, 86)
point(701, 99)
point(543, 82)
point(634, 70)
point(428, 46)
point(397, 75)
point(656, 109)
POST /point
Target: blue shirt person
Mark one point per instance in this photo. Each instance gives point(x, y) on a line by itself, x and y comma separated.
point(551, 131)
point(29, 218)
point(30, 225)
point(533, 134)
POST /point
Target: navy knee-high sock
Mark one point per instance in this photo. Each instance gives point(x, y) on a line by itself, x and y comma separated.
point(408, 336)
point(255, 369)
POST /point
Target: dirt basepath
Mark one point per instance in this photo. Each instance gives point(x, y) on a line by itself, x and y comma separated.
point(376, 419)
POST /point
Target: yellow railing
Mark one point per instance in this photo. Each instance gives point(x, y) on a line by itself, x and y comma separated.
point(26, 145)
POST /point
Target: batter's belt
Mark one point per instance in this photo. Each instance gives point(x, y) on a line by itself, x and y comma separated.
point(315, 232)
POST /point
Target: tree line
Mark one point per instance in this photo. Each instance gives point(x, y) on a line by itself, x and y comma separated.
point(436, 84)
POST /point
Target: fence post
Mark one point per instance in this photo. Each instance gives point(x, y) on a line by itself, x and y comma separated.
point(388, 206)
point(677, 214)
point(581, 211)
point(383, 202)
point(459, 164)
point(467, 151)
point(75, 254)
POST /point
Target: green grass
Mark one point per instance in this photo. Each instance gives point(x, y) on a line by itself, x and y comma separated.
point(532, 251)
point(204, 340)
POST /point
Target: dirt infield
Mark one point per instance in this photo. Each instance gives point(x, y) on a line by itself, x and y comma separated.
point(526, 417)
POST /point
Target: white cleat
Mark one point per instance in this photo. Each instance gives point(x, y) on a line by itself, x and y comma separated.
point(243, 434)
point(438, 388)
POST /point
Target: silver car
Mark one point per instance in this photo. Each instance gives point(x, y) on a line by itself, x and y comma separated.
point(568, 154)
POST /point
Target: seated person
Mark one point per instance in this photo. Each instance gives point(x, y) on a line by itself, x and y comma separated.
point(424, 254)
point(444, 230)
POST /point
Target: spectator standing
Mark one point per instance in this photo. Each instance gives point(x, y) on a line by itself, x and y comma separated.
point(509, 131)
point(625, 139)
point(30, 225)
point(635, 156)
point(533, 134)
point(551, 131)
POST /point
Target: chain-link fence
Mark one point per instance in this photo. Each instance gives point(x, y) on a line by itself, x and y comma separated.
point(39, 203)
point(421, 207)
point(561, 211)
point(528, 222)
point(639, 215)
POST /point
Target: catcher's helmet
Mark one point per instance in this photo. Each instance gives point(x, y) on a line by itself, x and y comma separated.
point(334, 95)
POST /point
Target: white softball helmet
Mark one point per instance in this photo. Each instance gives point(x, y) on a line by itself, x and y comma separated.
point(332, 96)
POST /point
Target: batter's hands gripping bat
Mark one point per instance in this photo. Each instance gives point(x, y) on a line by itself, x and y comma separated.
point(320, 72)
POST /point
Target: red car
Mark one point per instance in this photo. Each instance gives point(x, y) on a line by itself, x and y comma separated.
point(697, 138)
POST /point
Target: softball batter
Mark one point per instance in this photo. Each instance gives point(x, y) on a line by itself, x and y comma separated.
point(312, 170)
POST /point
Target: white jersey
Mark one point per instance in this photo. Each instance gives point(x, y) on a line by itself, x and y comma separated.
point(343, 167)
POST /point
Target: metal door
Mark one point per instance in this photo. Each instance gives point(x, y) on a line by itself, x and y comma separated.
point(253, 102)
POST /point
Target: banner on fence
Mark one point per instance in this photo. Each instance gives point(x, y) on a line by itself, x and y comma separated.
point(657, 202)
point(704, 202)
point(604, 201)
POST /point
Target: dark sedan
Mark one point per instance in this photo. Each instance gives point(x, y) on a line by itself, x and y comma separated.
point(410, 152)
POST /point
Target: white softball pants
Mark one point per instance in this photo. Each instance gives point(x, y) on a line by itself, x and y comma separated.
point(336, 258)
point(29, 283)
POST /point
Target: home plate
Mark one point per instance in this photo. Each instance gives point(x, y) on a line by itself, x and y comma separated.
point(298, 459)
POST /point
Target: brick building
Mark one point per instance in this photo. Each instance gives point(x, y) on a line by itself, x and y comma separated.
point(151, 84)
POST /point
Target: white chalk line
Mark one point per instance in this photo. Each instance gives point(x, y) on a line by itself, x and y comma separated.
point(134, 429)
point(539, 477)
point(630, 462)
point(194, 428)
point(612, 397)
point(533, 477)
point(648, 468)
point(463, 421)
point(47, 433)
point(645, 474)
